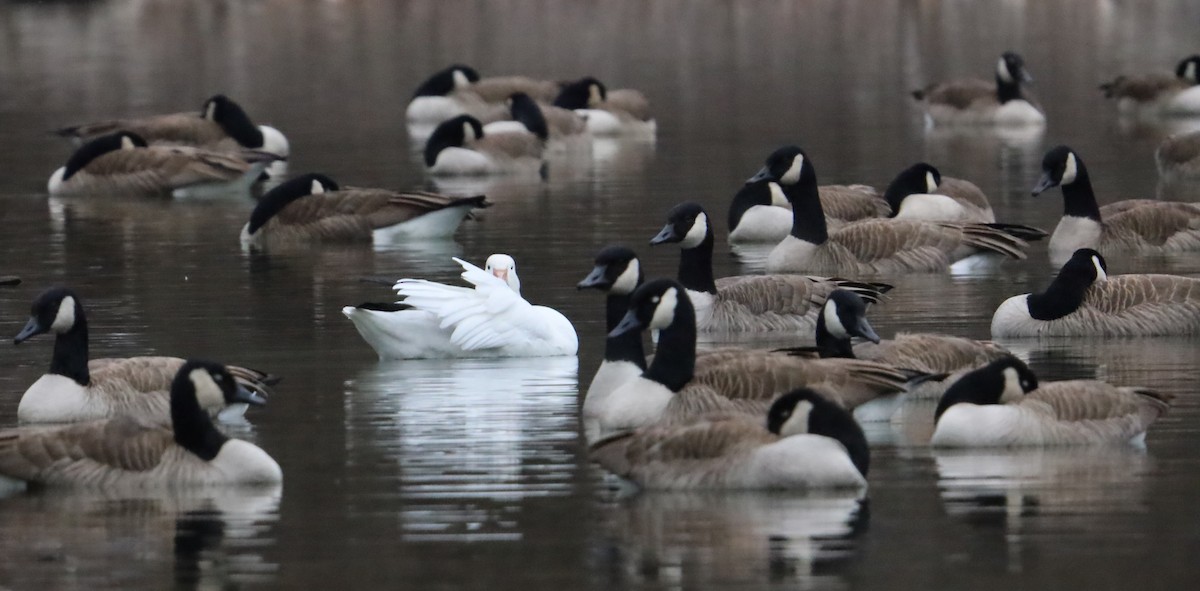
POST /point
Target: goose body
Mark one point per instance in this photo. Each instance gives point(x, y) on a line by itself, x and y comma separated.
point(809, 443)
point(974, 102)
point(760, 211)
point(1135, 225)
point(1003, 405)
point(313, 208)
point(459, 90)
point(1158, 93)
point(1178, 157)
point(607, 113)
point(460, 147)
point(76, 389)
point(921, 193)
point(875, 245)
point(122, 163)
point(489, 320)
point(1083, 300)
point(127, 453)
point(221, 125)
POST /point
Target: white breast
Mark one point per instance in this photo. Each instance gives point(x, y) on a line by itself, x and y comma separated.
point(799, 462)
point(1185, 103)
point(464, 162)
point(58, 399)
point(637, 403)
point(1019, 112)
point(763, 223)
point(1012, 319)
point(703, 303)
point(931, 207)
point(1073, 233)
point(791, 255)
point(243, 462)
point(433, 109)
point(990, 425)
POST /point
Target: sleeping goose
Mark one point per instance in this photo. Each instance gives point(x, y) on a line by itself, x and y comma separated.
point(126, 452)
point(489, 320)
point(459, 90)
point(978, 102)
point(460, 147)
point(607, 113)
point(1083, 300)
point(760, 211)
point(675, 387)
point(545, 121)
point(313, 208)
point(746, 303)
point(78, 389)
point(1159, 92)
point(1003, 405)
point(221, 125)
point(122, 163)
point(1178, 157)
point(808, 443)
point(920, 192)
point(1133, 225)
point(872, 245)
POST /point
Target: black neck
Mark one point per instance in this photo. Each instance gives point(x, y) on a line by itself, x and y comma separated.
point(193, 429)
point(695, 265)
point(982, 386)
point(1078, 198)
point(808, 218)
point(627, 347)
point(1007, 90)
point(71, 352)
point(829, 346)
point(840, 425)
point(447, 135)
point(1063, 296)
point(750, 195)
point(235, 122)
point(276, 199)
point(675, 358)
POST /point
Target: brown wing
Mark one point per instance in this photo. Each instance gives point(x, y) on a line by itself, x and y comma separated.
point(80, 452)
point(959, 94)
point(1142, 88)
point(852, 202)
point(1180, 148)
point(964, 191)
point(563, 122)
point(510, 145)
point(1091, 400)
point(179, 128)
point(916, 242)
point(629, 101)
point(932, 353)
point(1153, 223)
point(779, 294)
point(1142, 294)
point(760, 376)
point(704, 438)
point(497, 88)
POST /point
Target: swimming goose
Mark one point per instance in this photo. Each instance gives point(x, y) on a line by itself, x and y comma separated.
point(459, 146)
point(125, 452)
point(78, 389)
point(873, 245)
point(1083, 300)
point(978, 102)
point(675, 387)
point(490, 320)
point(1178, 157)
point(1134, 225)
point(920, 192)
point(760, 211)
point(1003, 405)
point(607, 112)
point(459, 90)
point(313, 208)
point(746, 303)
point(1159, 92)
point(808, 443)
point(221, 125)
point(618, 272)
point(123, 163)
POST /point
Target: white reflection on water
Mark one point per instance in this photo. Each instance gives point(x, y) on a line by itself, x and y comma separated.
point(471, 438)
point(679, 540)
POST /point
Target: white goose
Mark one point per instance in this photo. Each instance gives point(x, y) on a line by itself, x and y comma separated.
point(489, 320)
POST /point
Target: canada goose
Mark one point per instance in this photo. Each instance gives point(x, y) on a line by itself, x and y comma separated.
point(1159, 92)
point(459, 146)
point(808, 443)
point(491, 320)
point(978, 102)
point(313, 208)
point(675, 387)
point(760, 211)
point(78, 389)
point(123, 163)
point(1135, 225)
point(607, 113)
point(872, 245)
point(1083, 300)
point(920, 192)
point(221, 125)
point(126, 453)
point(1003, 405)
point(459, 90)
point(1178, 157)
point(545, 121)
point(746, 303)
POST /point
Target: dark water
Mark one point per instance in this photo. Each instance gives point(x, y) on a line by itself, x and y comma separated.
point(472, 474)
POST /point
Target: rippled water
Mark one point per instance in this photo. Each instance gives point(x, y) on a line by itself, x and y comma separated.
point(473, 473)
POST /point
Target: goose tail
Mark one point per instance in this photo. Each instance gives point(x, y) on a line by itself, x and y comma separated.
point(986, 238)
point(1026, 233)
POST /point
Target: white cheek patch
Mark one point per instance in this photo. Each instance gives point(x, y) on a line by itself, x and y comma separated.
point(207, 392)
point(1189, 72)
point(460, 80)
point(832, 323)
point(797, 424)
point(696, 233)
point(627, 281)
point(127, 143)
point(594, 95)
point(1100, 274)
point(317, 188)
point(1070, 170)
point(65, 318)
point(468, 132)
point(792, 176)
point(930, 184)
point(664, 312)
point(778, 199)
point(1003, 73)
point(1012, 386)
point(210, 112)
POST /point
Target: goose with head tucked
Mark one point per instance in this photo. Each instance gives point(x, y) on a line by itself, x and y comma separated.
point(607, 113)
point(1084, 300)
point(545, 121)
point(808, 443)
point(872, 245)
point(459, 90)
point(126, 453)
point(1133, 225)
point(461, 147)
point(489, 319)
point(1178, 157)
point(920, 192)
point(745, 303)
point(122, 163)
point(978, 102)
point(78, 389)
point(760, 211)
point(1157, 93)
point(221, 125)
point(1003, 405)
point(675, 386)
point(313, 208)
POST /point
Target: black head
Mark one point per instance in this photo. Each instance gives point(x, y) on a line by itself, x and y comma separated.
point(526, 111)
point(584, 93)
point(444, 82)
point(122, 140)
point(805, 411)
point(920, 178)
point(230, 116)
point(278, 198)
point(787, 166)
point(844, 315)
point(1011, 69)
point(617, 271)
point(687, 224)
point(654, 305)
point(57, 309)
point(1003, 380)
point(452, 133)
point(1189, 69)
point(199, 385)
point(1060, 167)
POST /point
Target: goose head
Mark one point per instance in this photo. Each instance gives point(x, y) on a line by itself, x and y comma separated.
point(585, 93)
point(1189, 69)
point(844, 315)
point(196, 386)
point(655, 305)
point(226, 113)
point(122, 140)
point(505, 268)
point(448, 80)
point(284, 194)
point(687, 224)
point(56, 310)
point(920, 178)
point(804, 411)
point(1065, 294)
point(617, 272)
point(1004, 380)
point(1060, 167)
point(526, 111)
point(1011, 69)
point(787, 166)
point(452, 133)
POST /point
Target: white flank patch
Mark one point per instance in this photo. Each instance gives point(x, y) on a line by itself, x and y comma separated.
point(207, 392)
point(792, 176)
point(832, 323)
point(65, 318)
point(797, 424)
point(664, 312)
point(1070, 170)
point(1003, 73)
point(627, 281)
point(1100, 274)
point(930, 184)
point(778, 199)
point(696, 233)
